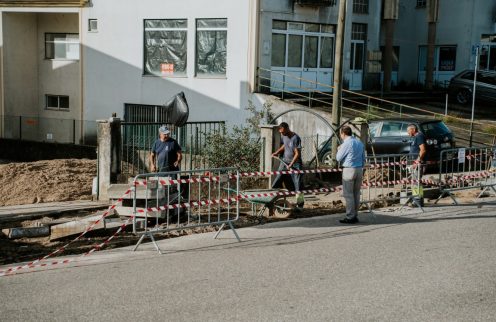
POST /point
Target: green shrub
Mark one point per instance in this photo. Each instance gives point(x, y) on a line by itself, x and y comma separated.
point(241, 146)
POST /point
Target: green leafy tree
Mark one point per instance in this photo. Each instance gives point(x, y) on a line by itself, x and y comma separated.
point(241, 146)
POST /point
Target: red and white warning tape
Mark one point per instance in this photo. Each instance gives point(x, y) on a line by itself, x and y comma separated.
point(63, 248)
point(209, 178)
point(464, 178)
point(37, 264)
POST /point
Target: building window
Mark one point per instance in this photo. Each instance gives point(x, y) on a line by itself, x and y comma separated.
point(312, 42)
point(56, 102)
point(361, 6)
point(61, 46)
point(358, 31)
point(211, 46)
point(147, 113)
point(92, 25)
point(165, 52)
point(447, 58)
point(444, 58)
point(421, 3)
point(487, 56)
point(396, 58)
point(278, 50)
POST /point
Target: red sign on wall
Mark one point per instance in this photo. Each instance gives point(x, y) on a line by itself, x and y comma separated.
point(167, 69)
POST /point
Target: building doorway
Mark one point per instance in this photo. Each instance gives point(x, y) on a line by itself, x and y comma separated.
point(357, 56)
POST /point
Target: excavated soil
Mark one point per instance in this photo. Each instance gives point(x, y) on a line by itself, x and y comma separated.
point(46, 181)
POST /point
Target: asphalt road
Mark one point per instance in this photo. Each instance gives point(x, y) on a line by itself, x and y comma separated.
point(408, 266)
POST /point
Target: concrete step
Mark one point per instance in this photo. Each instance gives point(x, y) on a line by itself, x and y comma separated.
point(81, 224)
point(117, 191)
point(150, 191)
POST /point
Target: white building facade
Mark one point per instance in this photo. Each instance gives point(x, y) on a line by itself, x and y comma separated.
point(85, 60)
point(65, 64)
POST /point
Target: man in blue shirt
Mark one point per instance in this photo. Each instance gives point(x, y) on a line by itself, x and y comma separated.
point(351, 155)
point(417, 146)
point(417, 154)
point(167, 151)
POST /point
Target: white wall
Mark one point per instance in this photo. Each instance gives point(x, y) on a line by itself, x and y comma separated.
point(113, 59)
point(20, 71)
point(58, 77)
point(460, 23)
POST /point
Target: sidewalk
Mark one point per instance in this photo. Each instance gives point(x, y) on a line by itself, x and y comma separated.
point(38, 210)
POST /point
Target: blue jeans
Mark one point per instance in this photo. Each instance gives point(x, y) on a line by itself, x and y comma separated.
point(295, 184)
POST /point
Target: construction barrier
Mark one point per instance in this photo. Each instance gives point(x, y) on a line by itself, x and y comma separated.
point(172, 201)
point(180, 200)
point(465, 169)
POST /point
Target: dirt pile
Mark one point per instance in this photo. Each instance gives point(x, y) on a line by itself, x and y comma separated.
point(46, 181)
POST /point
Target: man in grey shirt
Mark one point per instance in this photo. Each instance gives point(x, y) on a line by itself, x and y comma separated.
point(291, 146)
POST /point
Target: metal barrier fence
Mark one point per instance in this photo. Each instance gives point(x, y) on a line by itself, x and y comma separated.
point(179, 200)
point(386, 178)
point(43, 129)
point(138, 138)
point(467, 168)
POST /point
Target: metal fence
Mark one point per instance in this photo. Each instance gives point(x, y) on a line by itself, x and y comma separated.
point(164, 202)
point(138, 138)
point(42, 129)
point(466, 169)
point(386, 178)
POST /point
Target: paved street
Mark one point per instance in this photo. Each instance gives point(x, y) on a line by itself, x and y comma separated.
point(408, 266)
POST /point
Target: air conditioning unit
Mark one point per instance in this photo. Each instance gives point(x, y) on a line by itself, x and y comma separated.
point(316, 3)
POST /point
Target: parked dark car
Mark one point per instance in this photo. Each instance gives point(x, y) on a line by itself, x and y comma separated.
point(461, 87)
point(389, 136)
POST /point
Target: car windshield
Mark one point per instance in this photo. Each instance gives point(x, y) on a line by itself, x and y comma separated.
point(434, 129)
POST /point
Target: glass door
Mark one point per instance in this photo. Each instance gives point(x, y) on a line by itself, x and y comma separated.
point(294, 56)
point(356, 64)
point(310, 63)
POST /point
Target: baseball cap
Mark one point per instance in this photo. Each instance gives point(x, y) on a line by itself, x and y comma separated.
point(164, 129)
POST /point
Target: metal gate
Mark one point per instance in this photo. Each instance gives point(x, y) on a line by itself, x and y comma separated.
point(179, 200)
point(138, 138)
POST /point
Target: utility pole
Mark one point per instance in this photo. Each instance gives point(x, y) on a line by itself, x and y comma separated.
point(338, 76)
point(432, 15)
point(390, 17)
point(473, 95)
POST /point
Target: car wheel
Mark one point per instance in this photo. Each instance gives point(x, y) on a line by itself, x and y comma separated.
point(463, 96)
point(327, 159)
